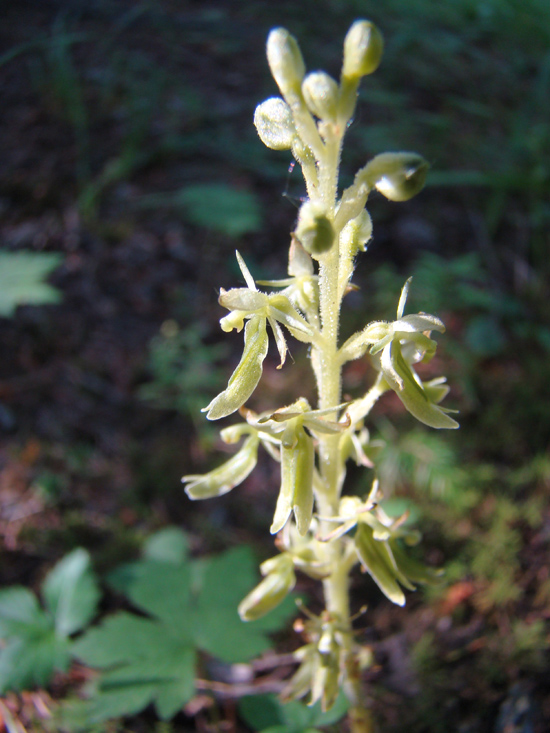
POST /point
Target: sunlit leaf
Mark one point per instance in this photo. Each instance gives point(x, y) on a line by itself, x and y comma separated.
point(22, 276)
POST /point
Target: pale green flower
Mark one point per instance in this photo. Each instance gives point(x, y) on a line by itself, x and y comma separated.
point(258, 309)
point(401, 344)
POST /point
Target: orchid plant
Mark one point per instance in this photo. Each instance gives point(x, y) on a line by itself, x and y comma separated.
point(320, 531)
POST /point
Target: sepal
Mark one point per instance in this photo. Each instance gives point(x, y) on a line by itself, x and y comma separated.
point(279, 580)
point(314, 231)
point(356, 233)
point(224, 478)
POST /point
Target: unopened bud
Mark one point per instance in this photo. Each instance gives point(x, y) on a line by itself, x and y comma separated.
point(321, 95)
point(285, 61)
point(314, 231)
point(357, 233)
point(273, 589)
point(274, 123)
point(363, 48)
point(398, 176)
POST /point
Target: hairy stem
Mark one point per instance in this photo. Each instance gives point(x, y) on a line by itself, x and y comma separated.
point(332, 469)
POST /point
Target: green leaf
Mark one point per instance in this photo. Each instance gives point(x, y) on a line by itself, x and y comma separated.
point(261, 711)
point(192, 605)
point(36, 642)
point(117, 639)
point(71, 592)
point(20, 612)
point(219, 629)
point(221, 208)
point(167, 545)
point(22, 276)
point(29, 661)
point(336, 713)
point(163, 590)
point(144, 662)
point(266, 713)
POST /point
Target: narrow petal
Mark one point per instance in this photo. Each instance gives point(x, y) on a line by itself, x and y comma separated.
point(246, 376)
point(245, 271)
point(419, 322)
point(393, 378)
point(403, 298)
point(226, 477)
point(413, 395)
point(377, 563)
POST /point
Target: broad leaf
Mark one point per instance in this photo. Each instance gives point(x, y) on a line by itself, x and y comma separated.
point(219, 630)
point(167, 545)
point(20, 613)
point(266, 713)
point(162, 590)
point(36, 642)
point(30, 661)
point(221, 208)
point(144, 662)
point(71, 593)
point(22, 276)
point(191, 605)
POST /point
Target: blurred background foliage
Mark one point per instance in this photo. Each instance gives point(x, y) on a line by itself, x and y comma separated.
point(130, 173)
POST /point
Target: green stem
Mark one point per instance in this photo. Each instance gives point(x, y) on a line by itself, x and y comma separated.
point(332, 469)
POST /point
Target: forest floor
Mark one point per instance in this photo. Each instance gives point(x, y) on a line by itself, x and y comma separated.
point(109, 112)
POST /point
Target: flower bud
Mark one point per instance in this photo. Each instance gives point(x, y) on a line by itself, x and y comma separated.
point(357, 233)
point(285, 61)
point(398, 176)
point(279, 581)
point(314, 231)
point(321, 95)
point(363, 48)
point(274, 123)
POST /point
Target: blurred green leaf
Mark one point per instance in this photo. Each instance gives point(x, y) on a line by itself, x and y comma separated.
point(22, 276)
point(191, 605)
point(266, 713)
point(71, 593)
point(222, 208)
point(36, 642)
point(145, 661)
point(214, 206)
point(167, 545)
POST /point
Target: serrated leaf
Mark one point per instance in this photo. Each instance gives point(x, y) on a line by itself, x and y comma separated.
point(117, 639)
point(163, 590)
point(22, 276)
point(71, 592)
point(193, 605)
point(225, 581)
point(167, 545)
point(143, 661)
point(20, 612)
point(30, 661)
